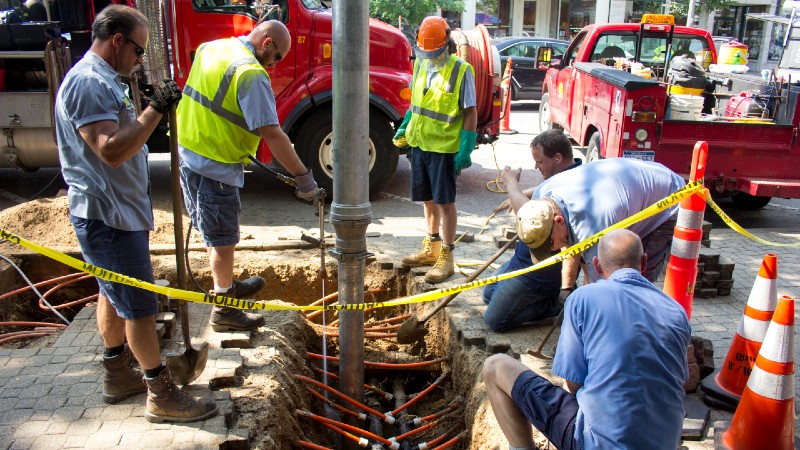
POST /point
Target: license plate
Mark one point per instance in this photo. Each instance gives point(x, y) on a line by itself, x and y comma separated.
point(644, 156)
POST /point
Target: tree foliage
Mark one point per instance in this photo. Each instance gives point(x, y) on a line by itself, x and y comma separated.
point(411, 11)
point(681, 7)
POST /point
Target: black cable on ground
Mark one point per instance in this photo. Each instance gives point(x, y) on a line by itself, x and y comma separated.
point(50, 183)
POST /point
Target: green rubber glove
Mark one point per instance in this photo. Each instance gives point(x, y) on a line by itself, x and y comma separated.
point(466, 146)
point(401, 130)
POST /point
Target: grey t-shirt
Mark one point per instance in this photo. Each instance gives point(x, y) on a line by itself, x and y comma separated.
point(93, 92)
point(257, 101)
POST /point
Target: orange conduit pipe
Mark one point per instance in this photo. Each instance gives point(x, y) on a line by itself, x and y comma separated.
point(452, 408)
point(432, 442)
point(427, 426)
point(359, 440)
point(452, 442)
point(375, 365)
point(311, 445)
point(41, 283)
point(68, 304)
point(310, 415)
point(360, 416)
point(422, 394)
point(313, 314)
point(390, 320)
point(385, 417)
point(369, 335)
point(367, 329)
point(374, 389)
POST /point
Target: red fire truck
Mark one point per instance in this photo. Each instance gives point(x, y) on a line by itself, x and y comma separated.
point(34, 58)
point(616, 113)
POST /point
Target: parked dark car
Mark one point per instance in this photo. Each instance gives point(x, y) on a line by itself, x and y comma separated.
point(526, 78)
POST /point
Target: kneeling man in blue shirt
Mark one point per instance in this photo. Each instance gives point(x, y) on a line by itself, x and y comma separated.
point(622, 352)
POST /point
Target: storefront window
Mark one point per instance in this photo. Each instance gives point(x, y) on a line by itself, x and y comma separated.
point(581, 13)
point(732, 22)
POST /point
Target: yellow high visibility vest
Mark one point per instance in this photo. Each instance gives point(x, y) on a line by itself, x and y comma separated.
point(437, 119)
point(210, 122)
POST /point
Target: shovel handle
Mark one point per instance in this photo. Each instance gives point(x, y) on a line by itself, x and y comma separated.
point(472, 276)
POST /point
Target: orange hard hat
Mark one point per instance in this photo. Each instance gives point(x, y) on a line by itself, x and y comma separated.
point(433, 34)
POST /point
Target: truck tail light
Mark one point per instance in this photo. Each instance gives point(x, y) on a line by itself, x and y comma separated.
point(639, 116)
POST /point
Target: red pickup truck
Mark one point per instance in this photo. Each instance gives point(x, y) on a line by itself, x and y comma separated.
point(616, 113)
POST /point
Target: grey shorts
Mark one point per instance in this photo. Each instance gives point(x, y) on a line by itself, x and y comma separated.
point(213, 208)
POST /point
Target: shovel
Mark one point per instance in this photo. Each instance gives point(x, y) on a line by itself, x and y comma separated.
point(186, 367)
point(413, 329)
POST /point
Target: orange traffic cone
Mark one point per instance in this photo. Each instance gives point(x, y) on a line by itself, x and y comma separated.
point(505, 85)
point(765, 416)
point(724, 389)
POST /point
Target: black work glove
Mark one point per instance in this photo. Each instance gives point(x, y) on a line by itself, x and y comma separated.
point(564, 293)
point(166, 94)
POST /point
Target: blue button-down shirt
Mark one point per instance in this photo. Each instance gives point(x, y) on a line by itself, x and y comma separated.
point(93, 92)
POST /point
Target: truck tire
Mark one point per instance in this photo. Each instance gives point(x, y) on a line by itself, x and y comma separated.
point(749, 202)
point(593, 149)
point(545, 122)
point(314, 145)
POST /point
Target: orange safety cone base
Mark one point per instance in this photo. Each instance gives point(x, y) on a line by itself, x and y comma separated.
point(716, 396)
point(761, 424)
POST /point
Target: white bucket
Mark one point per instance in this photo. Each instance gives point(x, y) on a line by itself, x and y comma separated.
point(685, 107)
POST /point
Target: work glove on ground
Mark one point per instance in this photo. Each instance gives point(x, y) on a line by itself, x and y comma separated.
point(399, 139)
point(166, 94)
point(307, 188)
point(465, 148)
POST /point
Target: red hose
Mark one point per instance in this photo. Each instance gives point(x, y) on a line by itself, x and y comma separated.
point(23, 335)
point(393, 445)
point(480, 51)
point(356, 403)
point(391, 319)
point(378, 391)
point(375, 365)
point(369, 335)
point(32, 324)
point(311, 445)
point(422, 394)
point(41, 283)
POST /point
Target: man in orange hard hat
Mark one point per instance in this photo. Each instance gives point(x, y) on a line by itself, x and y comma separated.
point(440, 129)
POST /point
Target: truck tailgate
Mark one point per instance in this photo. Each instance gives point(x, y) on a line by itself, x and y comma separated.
point(734, 149)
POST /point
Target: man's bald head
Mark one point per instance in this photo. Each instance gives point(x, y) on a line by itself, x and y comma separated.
point(619, 249)
point(268, 38)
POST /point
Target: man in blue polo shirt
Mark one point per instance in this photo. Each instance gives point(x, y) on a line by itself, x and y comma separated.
point(534, 295)
point(622, 352)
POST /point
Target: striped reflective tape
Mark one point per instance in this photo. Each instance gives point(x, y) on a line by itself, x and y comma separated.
point(690, 219)
point(764, 295)
point(779, 344)
point(753, 329)
point(431, 114)
point(685, 249)
point(770, 385)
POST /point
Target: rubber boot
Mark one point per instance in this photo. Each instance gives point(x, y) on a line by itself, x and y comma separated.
point(443, 268)
point(167, 403)
point(120, 379)
point(428, 254)
point(230, 319)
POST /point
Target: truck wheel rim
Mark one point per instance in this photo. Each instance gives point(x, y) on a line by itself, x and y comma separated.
point(326, 155)
point(544, 112)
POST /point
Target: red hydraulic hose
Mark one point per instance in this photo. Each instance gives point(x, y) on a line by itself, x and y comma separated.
point(311, 445)
point(32, 324)
point(423, 393)
point(386, 418)
point(452, 442)
point(23, 335)
point(374, 389)
point(41, 283)
point(341, 408)
point(376, 365)
point(310, 415)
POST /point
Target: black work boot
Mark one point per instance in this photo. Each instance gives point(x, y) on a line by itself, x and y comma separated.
point(167, 403)
point(120, 379)
point(230, 319)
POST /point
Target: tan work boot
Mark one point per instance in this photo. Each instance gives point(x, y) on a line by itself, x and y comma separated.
point(167, 403)
point(443, 268)
point(427, 255)
point(120, 379)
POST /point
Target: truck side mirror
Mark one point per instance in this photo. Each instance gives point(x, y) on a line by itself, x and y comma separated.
point(543, 57)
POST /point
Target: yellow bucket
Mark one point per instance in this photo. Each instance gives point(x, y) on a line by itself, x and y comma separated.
point(733, 53)
point(685, 91)
point(703, 58)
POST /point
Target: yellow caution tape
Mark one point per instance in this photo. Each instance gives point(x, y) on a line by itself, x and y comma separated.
point(220, 300)
point(736, 227)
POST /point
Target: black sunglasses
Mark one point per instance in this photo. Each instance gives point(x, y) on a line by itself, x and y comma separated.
point(139, 49)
